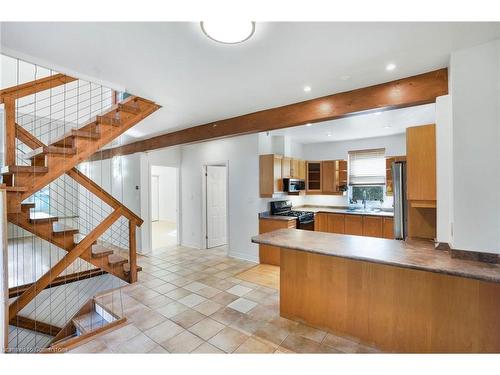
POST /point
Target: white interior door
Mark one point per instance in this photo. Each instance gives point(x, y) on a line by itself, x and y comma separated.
point(155, 195)
point(216, 206)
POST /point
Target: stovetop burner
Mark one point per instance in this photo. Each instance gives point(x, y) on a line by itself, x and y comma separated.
point(284, 208)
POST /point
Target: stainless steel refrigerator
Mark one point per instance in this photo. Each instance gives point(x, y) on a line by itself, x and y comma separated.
point(400, 203)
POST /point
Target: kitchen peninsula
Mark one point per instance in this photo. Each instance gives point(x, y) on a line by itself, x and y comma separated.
point(402, 296)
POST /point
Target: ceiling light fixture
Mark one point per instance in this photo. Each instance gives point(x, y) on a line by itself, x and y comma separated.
point(307, 88)
point(308, 124)
point(387, 126)
point(390, 67)
point(329, 134)
point(228, 32)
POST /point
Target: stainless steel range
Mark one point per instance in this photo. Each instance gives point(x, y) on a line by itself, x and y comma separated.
point(305, 219)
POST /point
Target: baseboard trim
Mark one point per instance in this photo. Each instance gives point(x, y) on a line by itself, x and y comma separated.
point(243, 256)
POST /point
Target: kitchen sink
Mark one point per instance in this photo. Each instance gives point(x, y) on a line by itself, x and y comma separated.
point(368, 210)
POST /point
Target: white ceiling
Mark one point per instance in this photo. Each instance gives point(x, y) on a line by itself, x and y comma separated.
point(375, 124)
point(197, 80)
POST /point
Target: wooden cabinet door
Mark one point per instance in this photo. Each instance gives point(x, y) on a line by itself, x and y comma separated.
point(388, 228)
point(302, 169)
point(421, 162)
point(314, 175)
point(328, 176)
point(373, 226)
point(269, 175)
point(354, 224)
point(336, 223)
point(286, 167)
point(294, 168)
point(277, 176)
point(321, 222)
point(341, 175)
point(271, 254)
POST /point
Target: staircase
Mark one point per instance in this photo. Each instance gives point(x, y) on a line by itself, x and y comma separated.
point(47, 162)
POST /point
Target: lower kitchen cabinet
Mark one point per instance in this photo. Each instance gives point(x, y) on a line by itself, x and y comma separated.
point(354, 224)
point(388, 228)
point(271, 254)
point(373, 226)
point(336, 223)
point(359, 225)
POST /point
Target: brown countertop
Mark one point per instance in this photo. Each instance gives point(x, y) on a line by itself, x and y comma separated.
point(419, 255)
point(343, 210)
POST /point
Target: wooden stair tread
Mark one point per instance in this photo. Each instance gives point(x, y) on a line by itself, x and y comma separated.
point(108, 120)
point(126, 268)
point(50, 150)
point(11, 169)
point(89, 322)
point(130, 108)
point(27, 206)
point(66, 139)
point(99, 251)
point(16, 188)
point(116, 260)
point(63, 229)
point(42, 217)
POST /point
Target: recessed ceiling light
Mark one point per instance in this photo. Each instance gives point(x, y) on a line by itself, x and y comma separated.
point(387, 126)
point(329, 134)
point(390, 67)
point(378, 113)
point(228, 32)
point(307, 88)
point(308, 124)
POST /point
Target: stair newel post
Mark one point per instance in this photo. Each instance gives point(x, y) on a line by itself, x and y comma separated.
point(132, 225)
point(10, 130)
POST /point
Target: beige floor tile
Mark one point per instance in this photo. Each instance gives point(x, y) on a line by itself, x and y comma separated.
point(158, 349)
point(178, 293)
point(226, 316)
point(192, 300)
point(263, 313)
point(208, 307)
point(164, 331)
point(153, 283)
point(228, 339)
point(184, 342)
point(94, 346)
point(272, 333)
point(246, 325)
point(172, 309)
point(165, 288)
point(242, 305)
point(255, 345)
point(181, 281)
point(119, 336)
point(239, 290)
point(187, 318)
point(206, 328)
point(208, 292)
point(138, 344)
point(157, 301)
point(206, 348)
point(195, 286)
point(300, 344)
point(341, 344)
point(224, 298)
point(309, 332)
point(145, 319)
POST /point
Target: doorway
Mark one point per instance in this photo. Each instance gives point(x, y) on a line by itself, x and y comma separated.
point(164, 207)
point(216, 208)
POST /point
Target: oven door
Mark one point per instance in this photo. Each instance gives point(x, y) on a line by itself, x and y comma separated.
point(306, 225)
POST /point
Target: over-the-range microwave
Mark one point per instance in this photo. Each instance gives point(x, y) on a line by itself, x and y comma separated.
point(293, 185)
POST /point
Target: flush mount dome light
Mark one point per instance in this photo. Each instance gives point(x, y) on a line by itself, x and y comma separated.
point(228, 32)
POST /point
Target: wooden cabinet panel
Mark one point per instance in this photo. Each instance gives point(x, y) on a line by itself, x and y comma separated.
point(336, 223)
point(354, 224)
point(302, 169)
point(294, 168)
point(388, 172)
point(271, 254)
point(373, 226)
point(270, 178)
point(328, 176)
point(388, 228)
point(321, 222)
point(313, 183)
point(421, 162)
point(286, 167)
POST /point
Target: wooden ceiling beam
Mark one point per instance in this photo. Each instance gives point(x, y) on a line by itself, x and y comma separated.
point(406, 92)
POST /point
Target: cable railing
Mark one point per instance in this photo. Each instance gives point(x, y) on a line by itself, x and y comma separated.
point(73, 198)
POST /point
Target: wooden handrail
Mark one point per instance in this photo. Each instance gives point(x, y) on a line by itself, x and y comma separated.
point(35, 86)
point(60, 266)
point(33, 142)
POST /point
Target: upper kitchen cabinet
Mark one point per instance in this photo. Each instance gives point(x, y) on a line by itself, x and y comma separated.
point(421, 163)
point(270, 179)
point(286, 167)
point(314, 175)
point(334, 176)
point(297, 168)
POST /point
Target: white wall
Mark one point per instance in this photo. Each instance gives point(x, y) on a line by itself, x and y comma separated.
point(167, 199)
point(444, 168)
point(475, 89)
point(241, 153)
